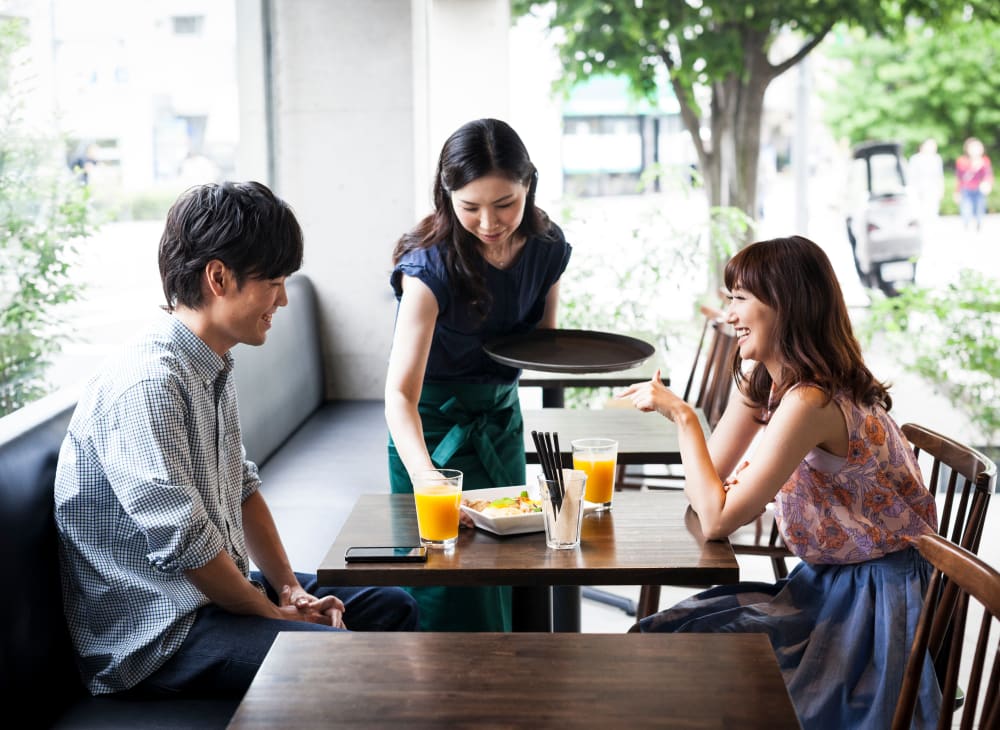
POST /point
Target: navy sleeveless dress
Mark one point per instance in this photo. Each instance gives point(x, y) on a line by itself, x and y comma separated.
point(469, 405)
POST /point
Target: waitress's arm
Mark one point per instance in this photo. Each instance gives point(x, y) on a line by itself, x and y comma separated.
point(411, 344)
point(551, 309)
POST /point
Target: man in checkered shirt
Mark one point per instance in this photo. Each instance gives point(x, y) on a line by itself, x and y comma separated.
point(158, 511)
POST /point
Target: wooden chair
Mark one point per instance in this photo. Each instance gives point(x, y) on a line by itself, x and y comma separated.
point(968, 479)
point(715, 369)
point(940, 633)
point(971, 478)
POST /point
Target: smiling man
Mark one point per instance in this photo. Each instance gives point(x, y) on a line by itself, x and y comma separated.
point(158, 511)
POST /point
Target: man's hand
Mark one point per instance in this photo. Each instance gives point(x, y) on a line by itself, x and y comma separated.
point(297, 605)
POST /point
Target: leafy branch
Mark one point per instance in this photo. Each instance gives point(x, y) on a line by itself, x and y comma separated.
point(950, 337)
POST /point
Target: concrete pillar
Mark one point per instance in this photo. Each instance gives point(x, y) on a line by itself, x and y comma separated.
point(461, 72)
point(252, 38)
point(342, 101)
point(362, 96)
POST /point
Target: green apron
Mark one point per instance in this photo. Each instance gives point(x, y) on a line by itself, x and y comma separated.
point(477, 429)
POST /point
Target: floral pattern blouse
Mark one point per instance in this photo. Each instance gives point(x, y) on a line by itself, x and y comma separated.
point(860, 507)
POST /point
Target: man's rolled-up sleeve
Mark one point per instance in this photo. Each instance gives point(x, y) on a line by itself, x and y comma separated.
point(147, 455)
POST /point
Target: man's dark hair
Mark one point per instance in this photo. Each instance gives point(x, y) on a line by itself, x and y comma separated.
point(242, 224)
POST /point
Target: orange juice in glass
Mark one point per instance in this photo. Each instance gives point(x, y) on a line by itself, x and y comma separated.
point(598, 458)
point(437, 494)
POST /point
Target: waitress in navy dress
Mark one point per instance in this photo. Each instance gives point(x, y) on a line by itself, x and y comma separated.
point(486, 262)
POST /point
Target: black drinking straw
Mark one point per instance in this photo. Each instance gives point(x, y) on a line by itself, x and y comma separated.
point(540, 448)
point(559, 472)
point(546, 460)
point(554, 460)
point(541, 452)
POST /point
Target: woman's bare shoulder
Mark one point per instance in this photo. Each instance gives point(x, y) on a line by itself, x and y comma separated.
point(807, 395)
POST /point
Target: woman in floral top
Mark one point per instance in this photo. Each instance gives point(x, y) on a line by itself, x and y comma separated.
point(848, 494)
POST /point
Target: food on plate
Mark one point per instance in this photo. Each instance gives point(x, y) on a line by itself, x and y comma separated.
point(505, 506)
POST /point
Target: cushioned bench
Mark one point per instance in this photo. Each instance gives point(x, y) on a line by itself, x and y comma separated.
point(315, 456)
point(298, 438)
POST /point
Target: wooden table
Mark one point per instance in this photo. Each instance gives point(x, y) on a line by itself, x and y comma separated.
point(646, 538)
point(446, 680)
point(643, 438)
point(553, 384)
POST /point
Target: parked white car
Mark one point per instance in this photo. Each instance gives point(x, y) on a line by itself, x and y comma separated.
point(883, 223)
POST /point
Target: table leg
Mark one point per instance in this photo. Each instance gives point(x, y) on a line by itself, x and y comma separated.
point(531, 608)
point(566, 609)
point(552, 397)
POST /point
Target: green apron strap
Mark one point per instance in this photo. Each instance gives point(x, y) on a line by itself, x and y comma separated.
point(478, 429)
point(470, 428)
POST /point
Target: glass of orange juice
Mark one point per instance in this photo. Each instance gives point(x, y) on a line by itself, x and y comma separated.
point(438, 495)
point(598, 458)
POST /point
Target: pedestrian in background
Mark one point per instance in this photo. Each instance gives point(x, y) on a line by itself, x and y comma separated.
point(927, 179)
point(974, 181)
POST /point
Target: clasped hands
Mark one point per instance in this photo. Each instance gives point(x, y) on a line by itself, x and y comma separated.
point(297, 605)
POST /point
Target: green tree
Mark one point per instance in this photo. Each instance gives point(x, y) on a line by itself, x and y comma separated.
point(929, 83)
point(926, 82)
point(43, 210)
point(726, 49)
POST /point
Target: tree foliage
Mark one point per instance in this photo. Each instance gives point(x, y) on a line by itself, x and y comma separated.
point(924, 83)
point(950, 336)
point(719, 56)
point(43, 210)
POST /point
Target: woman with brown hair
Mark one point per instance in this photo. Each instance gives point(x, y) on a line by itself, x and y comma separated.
point(810, 432)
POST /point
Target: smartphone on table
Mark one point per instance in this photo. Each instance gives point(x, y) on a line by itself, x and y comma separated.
point(386, 554)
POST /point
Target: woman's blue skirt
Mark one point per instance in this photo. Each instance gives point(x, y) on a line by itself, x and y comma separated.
point(841, 633)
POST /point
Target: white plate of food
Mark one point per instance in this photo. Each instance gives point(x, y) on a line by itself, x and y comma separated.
point(507, 510)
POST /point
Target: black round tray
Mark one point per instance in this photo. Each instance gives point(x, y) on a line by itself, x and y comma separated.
point(569, 351)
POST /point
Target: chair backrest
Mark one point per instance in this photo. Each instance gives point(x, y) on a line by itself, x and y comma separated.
point(711, 315)
point(958, 575)
point(970, 482)
point(715, 396)
point(712, 361)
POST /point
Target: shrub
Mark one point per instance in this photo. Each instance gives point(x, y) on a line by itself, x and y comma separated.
point(43, 210)
point(951, 338)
